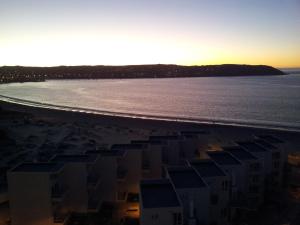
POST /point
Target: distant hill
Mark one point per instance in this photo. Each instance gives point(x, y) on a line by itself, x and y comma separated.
point(23, 74)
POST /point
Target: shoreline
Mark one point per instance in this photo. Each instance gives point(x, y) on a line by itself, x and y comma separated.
point(32, 106)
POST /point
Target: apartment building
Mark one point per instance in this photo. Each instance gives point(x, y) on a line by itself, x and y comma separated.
point(236, 171)
point(193, 193)
point(107, 168)
point(159, 203)
point(151, 158)
point(129, 171)
point(193, 142)
point(254, 192)
point(83, 181)
point(263, 154)
point(38, 194)
point(218, 182)
point(170, 148)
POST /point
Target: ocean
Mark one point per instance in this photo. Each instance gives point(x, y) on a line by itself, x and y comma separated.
point(267, 101)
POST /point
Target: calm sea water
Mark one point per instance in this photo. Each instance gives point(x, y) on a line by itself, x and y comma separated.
point(268, 101)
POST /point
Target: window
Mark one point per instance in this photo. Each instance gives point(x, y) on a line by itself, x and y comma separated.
point(177, 218)
point(225, 185)
point(254, 166)
point(214, 199)
point(224, 213)
point(276, 155)
point(255, 178)
point(276, 165)
point(253, 189)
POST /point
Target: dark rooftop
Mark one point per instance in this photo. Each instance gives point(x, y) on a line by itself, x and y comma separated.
point(223, 158)
point(207, 168)
point(127, 146)
point(87, 158)
point(158, 194)
point(185, 177)
point(271, 139)
point(265, 144)
point(239, 153)
point(251, 146)
point(38, 167)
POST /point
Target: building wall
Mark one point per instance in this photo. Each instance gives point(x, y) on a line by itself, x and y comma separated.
point(30, 199)
point(107, 168)
point(159, 216)
point(221, 193)
point(75, 179)
point(197, 200)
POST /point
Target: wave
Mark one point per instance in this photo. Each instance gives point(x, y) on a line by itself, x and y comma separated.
point(229, 122)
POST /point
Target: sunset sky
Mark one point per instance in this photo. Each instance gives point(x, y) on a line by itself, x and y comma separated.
point(187, 32)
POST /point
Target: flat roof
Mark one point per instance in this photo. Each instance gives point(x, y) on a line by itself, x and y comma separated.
point(88, 158)
point(207, 168)
point(251, 146)
point(271, 139)
point(127, 146)
point(239, 152)
point(265, 144)
point(185, 177)
point(38, 167)
point(158, 194)
point(223, 158)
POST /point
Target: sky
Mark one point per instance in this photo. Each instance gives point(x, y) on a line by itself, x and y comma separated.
point(186, 32)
